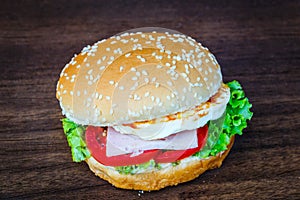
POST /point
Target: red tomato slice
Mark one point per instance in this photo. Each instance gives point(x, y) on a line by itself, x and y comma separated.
point(96, 142)
point(175, 155)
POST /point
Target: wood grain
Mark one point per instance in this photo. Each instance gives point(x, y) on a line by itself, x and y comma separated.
point(255, 42)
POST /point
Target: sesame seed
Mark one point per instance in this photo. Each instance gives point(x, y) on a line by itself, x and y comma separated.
point(100, 96)
point(71, 93)
point(107, 49)
point(121, 68)
point(78, 66)
point(127, 55)
point(103, 58)
point(170, 83)
point(111, 111)
point(168, 52)
point(156, 85)
point(102, 68)
point(153, 79)
point(147, 94)
point(184, 75)
point(124, 41)
point(207, 60)
point(87, 64)
point(134, 47)
point(107, 97)
point(90, 71)
point(134, 78)
point(144, 72)
point(136, 97)
point(113, 42)
point(168, 64)
point(152, 98)
point(121, 87)
point(168, 97)
point(138, 74)
point(146, 80)
point(133, 69)
point(73, 62)
point(158, 66)
point(111, 82)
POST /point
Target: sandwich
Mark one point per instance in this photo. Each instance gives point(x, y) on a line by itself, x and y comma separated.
point(147, 110)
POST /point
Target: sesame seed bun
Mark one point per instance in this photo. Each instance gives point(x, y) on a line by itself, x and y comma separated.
point(135, 77)
point(169, 176)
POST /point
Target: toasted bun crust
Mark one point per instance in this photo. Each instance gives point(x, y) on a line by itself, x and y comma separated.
point(135, 77)
point(159, 179)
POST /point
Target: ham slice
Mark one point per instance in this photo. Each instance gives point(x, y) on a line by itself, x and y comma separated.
point(118, 144)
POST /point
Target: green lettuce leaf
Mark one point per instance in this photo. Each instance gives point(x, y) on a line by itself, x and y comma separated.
point(237, 114)
point(74, 134)
point(132, 169)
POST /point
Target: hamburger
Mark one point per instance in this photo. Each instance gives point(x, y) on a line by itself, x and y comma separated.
point(148, 109)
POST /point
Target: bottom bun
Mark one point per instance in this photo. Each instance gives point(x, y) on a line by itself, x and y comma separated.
point(158, 179)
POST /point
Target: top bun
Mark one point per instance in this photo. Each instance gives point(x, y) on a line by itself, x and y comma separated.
point(135, 77)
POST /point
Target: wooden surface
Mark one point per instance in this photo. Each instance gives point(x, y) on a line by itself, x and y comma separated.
point(255, 42)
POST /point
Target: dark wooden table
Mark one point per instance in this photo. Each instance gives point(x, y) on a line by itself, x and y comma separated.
point(255, 42)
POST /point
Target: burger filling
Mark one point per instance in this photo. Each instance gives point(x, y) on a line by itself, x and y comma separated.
point(132, 154)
